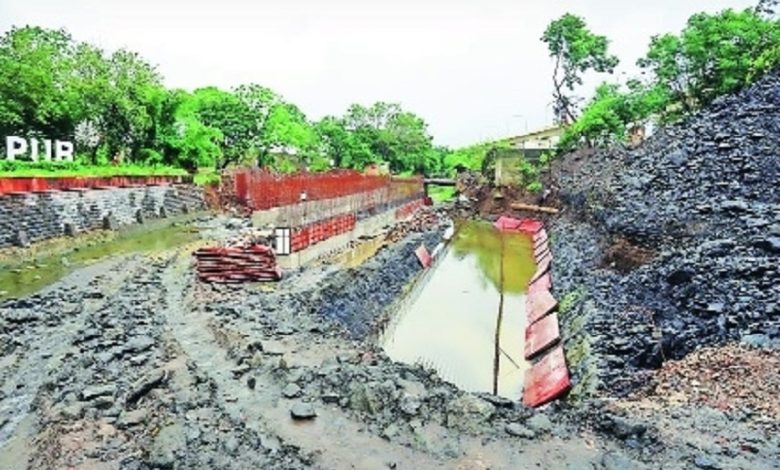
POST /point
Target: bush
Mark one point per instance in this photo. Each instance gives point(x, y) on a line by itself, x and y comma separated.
point(534, 187)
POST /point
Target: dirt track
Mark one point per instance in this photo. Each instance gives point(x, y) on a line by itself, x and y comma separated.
point(131, 363)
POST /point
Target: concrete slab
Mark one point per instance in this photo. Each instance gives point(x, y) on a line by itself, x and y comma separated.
point(539, 304)
point(541, 335)
point(547, 380)
point(543, 283)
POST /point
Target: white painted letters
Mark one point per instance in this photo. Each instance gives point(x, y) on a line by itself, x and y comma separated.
point(17, 147)
point(63, 151)
point(14, 146)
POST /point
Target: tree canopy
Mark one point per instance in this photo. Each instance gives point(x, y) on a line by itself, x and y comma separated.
point(575, 50)
point(116, 109)
point(714, 54)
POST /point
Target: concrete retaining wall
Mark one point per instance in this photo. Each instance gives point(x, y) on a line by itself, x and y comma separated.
point(36, 216)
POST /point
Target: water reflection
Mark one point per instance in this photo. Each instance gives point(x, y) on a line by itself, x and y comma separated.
point(466, 318)
point(27, 276)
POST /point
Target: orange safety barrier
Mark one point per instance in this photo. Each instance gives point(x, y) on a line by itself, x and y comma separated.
point(260, 189)
point(303, 237)
point(36, 184)
point(505, 223)
point(549, 377)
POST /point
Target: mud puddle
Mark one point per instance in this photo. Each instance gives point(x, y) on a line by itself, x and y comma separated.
point(26, 276)
point(466, 316)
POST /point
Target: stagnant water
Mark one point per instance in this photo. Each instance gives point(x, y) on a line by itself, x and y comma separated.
point(25, 276)
point(466, 316)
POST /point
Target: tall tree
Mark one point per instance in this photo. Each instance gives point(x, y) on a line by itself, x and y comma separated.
point(575, 50)
point(234, 119)
point(714, 54)
point(35, 93)
point(287, 137)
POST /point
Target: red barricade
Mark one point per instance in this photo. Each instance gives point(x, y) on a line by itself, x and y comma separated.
point(32, 184)
point(260, 190)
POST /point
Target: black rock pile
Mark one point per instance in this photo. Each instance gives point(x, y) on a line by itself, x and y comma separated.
point(704, 197)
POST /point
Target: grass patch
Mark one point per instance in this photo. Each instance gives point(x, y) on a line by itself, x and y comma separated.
point(441, 193)
point(72, 169)
point(570, 300)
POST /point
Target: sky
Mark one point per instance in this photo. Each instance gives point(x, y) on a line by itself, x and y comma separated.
point(473, 69)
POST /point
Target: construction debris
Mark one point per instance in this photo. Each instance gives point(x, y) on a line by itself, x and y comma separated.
point(533, 208)
point(237, 264)
point(732, 377)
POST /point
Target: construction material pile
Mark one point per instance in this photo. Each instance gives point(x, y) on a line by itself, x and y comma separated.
point(717, 376)
point(423, 220)
point(237, 264)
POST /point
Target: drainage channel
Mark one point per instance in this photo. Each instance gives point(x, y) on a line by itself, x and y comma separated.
point(466, 316)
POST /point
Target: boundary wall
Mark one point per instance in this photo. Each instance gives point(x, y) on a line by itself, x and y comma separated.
point(32, 216)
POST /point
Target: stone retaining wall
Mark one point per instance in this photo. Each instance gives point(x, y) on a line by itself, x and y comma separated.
point(36, 216)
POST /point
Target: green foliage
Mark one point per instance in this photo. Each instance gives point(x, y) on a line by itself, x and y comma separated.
point(115, 109)
point(287, 133)
point(714, 54)
point(534, 187)
point(382, 132)
point(207, 177)
point(575, 50)
point(529, 176)
point(441, 193)
point(64, 169)
point(480, 157)
point(570, 299)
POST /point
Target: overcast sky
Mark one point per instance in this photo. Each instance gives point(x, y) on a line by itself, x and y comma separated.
point(473, 69)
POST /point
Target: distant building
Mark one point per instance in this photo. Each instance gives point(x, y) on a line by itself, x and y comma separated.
point(530, 146)
point(542, 139)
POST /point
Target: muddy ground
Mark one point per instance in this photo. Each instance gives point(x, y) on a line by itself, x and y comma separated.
point(132, 363)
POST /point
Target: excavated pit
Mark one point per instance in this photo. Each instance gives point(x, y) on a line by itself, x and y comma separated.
point(465, 317)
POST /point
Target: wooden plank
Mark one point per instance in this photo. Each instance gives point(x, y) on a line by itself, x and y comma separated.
point(533, 208)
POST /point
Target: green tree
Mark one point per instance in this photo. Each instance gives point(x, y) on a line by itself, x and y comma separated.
point(385, 132)
point(127, 116)
point(575, 50)
point(35, 94)
point(183, 137)
point(287, 138)
point(343, 146)
point(234, 119)
point(713, 55)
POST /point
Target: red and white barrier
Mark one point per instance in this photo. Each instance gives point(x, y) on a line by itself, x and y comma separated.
point(548, 378)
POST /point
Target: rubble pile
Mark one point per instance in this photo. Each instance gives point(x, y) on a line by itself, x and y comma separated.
point(424, 219)
point(702, 197)
point(717, 376)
